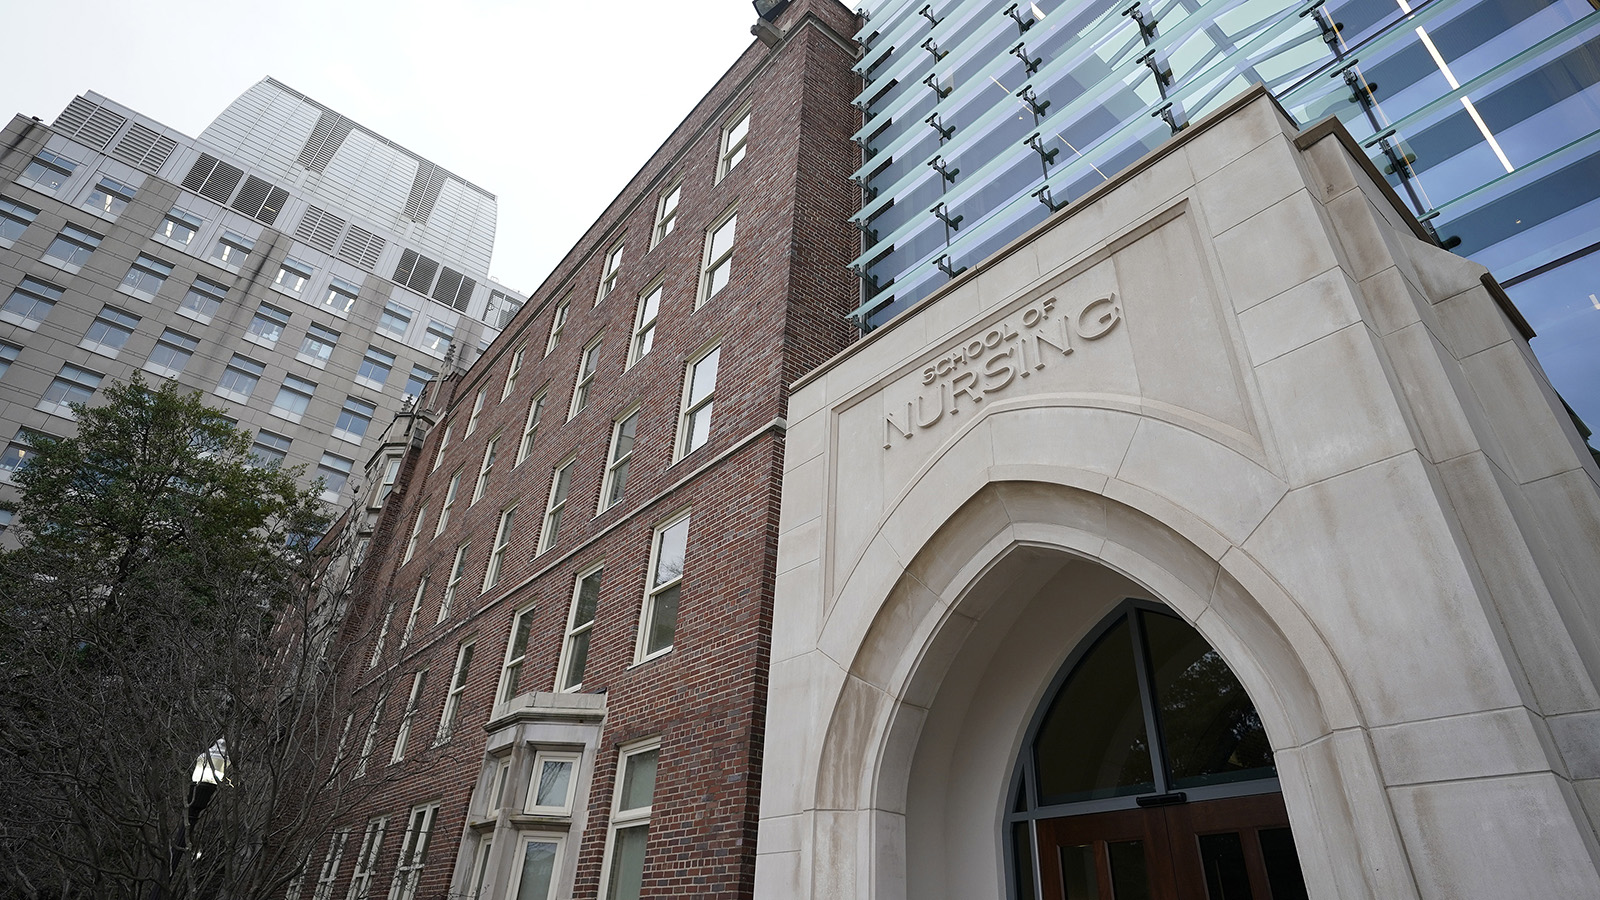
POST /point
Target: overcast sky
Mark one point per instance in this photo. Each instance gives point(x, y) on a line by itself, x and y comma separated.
point(550, 106)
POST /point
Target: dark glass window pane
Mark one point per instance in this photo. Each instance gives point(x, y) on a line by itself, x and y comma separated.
point(1209, 727)
point(1079, 880)
point(1129, 878)
point(1022, 860)
point(1283, 866)
point(1222, 857)
point(1092, 742)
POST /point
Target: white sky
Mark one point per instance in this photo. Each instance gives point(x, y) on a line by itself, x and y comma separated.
point(550, 106)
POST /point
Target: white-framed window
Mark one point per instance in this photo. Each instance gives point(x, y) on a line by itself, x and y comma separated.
point(203, 299)
point(436, 339)
point(530, 427)
point(8, 355)
point(292, 276)
point(334, 471)
point(480, 868)
point(477, 410)
point(267, 325)
point(171, 353)
point(502, 542)
point(383, 635)
point(501, 307)
point(367, 859)
point(355, 417)
point(718, 260)
point(458, 571)
point(616, 479)
point(580, 622)
point(371, 741)
point(608, 276)
point(294, 396)
point(14, 220)
point(179, 227)
point(109, 331)
point(48, 171)
point(516, 654)
point(512, 371)
point(551, 782)
point(413, 852)
point(534, 870)
point(72, 248)
point(404, 733)
point(71, 385)
point(667, 214)
point(416, 532)
point(623, 870)
point(269, 449)
point(418, 380)
point(586, 369)
point(395, 319)
point(317, 346)
point(449, 500)
point(416, 611)
point(231, 250)
point(444, 441)
point(341, 296)
point(109, 197)
point(452, 698)
point(699, 388)
point(240, 378)
point(375, 368)
point(145, 277)
point(330, 864)
point(558, 321)
point(556, 505)
point(735, 138)
point(659, 618)
point(495, 798)
point(17, 453)
point(30, 302)
point(644, 323)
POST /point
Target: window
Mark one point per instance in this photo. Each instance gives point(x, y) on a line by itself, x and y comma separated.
point(501, 308)
point(178, 227)
point(416, 532)
point(269, 449)
point(371, 741)
point(630, 821)
point(383, 636)
point(458, 571)
point(292, 276)
point(557, 322)
point(203, 300)
point(354, 420)
point(534, 870)
point(449, 497)
point(667, 213)
point(477, 410)
point(109, 331)
point(530, 427)
point(267, 325)
point(452, 700)
point(341, 295)
point(404, 734)
point(110, 197)
point(644, 324)
point(695, 427)
point(17, 453)
point(734, 139)
point(72, 247)
point(586, 367)
point(438, 455)
point(29, 303)
point(395, 319)
point(8, 355)
point(516, 653)
point(512, 371)
point(375, 368)
point(550, 785)
point(580, 622)
point(171, 353)
point(239, 379)
point(502, 541)
point(719, 257)
point(71, 385)
point(660, 616)
point(367, 859)
point(48, 171)
point(480, 867)
point(294, 395)
point(318, 344)
point(485, 468)
point(558, 502)
point(330, 865)
point(413, 853)
point(622, 439)
point(417, 380)
point(14, 220)
point(416, 610)
point(334, 470)
point(145, 277)
point(608, 277)
point(231, 249)
point(436, 340)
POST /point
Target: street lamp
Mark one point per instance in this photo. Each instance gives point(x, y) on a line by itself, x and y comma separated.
point(210, 768)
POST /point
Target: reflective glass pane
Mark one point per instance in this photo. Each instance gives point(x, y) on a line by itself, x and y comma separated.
point(538, 868)
point(1092, 742)
point(639, 781)
point(627, 863)
point(1222, 857)
point(554, 776)
point(1129, 878)
point(1079, 880)
point(1283, 866)
point(1022, 860)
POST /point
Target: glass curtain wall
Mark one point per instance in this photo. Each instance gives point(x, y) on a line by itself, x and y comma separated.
point(983, 116)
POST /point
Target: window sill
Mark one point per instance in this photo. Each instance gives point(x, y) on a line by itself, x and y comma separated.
point(286, 415)
point(202, 318)
point(99, 349)
point(348, 436)
point(185, 246)
point(56, 409)
point(69, 268)
point(370, 384)
point(286, 292)
point(259, 341)
point(136, 294)
point(312, 361)
point(99, 212)
point(19, 321)
point(235, 396)
point(161, 371)
point(645, 660)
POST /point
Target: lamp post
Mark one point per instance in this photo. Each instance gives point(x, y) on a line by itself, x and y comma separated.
point(210, 768)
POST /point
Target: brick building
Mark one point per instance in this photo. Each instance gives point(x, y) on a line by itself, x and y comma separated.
point(568, 590)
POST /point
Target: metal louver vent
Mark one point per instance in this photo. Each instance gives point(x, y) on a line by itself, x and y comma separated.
point(362, 247)
point(425, 191)
point(325, 140)
point(408, 264)
point(89, 123)
point(73, 117)
point(202, 168)
point(144, 148)
point(253, 196)
point(274, 205)
point(468, 285)
point(319, 228)
point(454, 289)
point(416, 271)
point(213, 178)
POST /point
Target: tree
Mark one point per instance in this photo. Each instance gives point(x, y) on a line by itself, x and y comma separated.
point(163, 602)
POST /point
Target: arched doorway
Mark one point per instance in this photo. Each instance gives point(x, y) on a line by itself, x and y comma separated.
point(1146, 775)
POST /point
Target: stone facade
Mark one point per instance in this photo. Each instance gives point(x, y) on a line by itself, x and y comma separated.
point(1236, 381)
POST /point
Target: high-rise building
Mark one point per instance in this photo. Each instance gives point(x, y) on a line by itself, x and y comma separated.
point(983, 117)
point(300, 270)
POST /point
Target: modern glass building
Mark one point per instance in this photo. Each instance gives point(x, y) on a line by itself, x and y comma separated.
point(982, 116)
